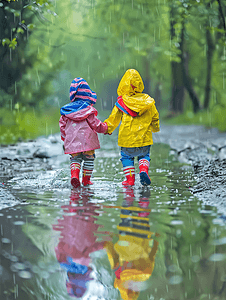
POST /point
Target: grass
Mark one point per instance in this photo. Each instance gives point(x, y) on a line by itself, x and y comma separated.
point(19, 125)
point(213, 118)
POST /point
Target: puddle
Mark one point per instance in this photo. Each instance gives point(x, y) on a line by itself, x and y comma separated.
point(110, 242)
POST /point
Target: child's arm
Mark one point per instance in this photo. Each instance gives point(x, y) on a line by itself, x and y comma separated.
point(96, 124)
point(114, 119)
point(155, 120)
point(62, 123)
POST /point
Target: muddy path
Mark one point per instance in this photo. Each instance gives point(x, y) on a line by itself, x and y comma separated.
point(203, 149)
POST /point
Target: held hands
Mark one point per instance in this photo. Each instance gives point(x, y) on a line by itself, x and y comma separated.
point(107, 133)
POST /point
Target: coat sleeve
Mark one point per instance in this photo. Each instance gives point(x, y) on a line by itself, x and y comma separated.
point(155, 120)
point(62, 123)
point(114, 119)
point(96, 124)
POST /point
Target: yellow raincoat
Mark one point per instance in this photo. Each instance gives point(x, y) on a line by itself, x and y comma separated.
point(133, 250)
point(134, 131)
point(140, 254)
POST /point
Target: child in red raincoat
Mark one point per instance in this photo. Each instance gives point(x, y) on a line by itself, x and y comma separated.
point(79, 126)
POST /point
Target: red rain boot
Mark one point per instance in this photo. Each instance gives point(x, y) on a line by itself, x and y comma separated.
point(86, 177)
point(130, 176)
point(75, 170)
point(143, 167)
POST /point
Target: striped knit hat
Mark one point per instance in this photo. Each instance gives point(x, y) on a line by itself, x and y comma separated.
point(80, 90)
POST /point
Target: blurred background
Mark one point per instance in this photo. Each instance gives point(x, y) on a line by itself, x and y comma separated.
point(179, 48)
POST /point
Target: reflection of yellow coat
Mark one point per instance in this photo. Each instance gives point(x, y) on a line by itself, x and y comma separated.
point(137, 251)
point(134, 131)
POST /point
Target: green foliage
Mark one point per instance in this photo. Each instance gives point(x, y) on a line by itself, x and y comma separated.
point(28, 61)
point(213, 118)
point(21, 124)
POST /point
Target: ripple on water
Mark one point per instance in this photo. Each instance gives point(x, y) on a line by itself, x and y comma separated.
point(217, 257)
point(6, 241)
point(19, 266)
point(176, 222)
point(18, 223)
point(24, 274)
point(221, 241)
point(177, 279)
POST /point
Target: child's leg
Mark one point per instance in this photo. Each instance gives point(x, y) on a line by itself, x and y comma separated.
point(76, 160)
point(128, 168)
point(144, 161)
point(88, 166)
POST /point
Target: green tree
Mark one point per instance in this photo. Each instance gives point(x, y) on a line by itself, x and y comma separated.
point(23, 57)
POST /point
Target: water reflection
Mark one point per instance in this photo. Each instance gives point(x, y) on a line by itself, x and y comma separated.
point(132, 256)
point(131, 250)
point(77, 240)
point(108, 242)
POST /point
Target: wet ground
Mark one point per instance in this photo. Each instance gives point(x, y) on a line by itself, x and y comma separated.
point(169, 239)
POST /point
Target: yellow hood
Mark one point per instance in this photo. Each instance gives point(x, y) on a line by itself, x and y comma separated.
point(130, 88)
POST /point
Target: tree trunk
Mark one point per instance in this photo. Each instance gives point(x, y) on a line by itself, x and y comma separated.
point(209, 58)
point(177, 98)
point(188, 84)
point(186, 76)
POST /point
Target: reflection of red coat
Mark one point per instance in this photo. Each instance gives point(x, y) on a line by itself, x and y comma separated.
point(77, 238)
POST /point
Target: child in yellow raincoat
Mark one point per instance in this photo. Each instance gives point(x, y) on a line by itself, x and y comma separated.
point(139, 118)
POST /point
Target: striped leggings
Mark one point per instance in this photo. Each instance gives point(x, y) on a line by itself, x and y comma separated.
point(87, 158)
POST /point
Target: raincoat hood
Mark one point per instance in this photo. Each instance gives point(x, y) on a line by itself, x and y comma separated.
point(81, 97)
point(130, 89)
